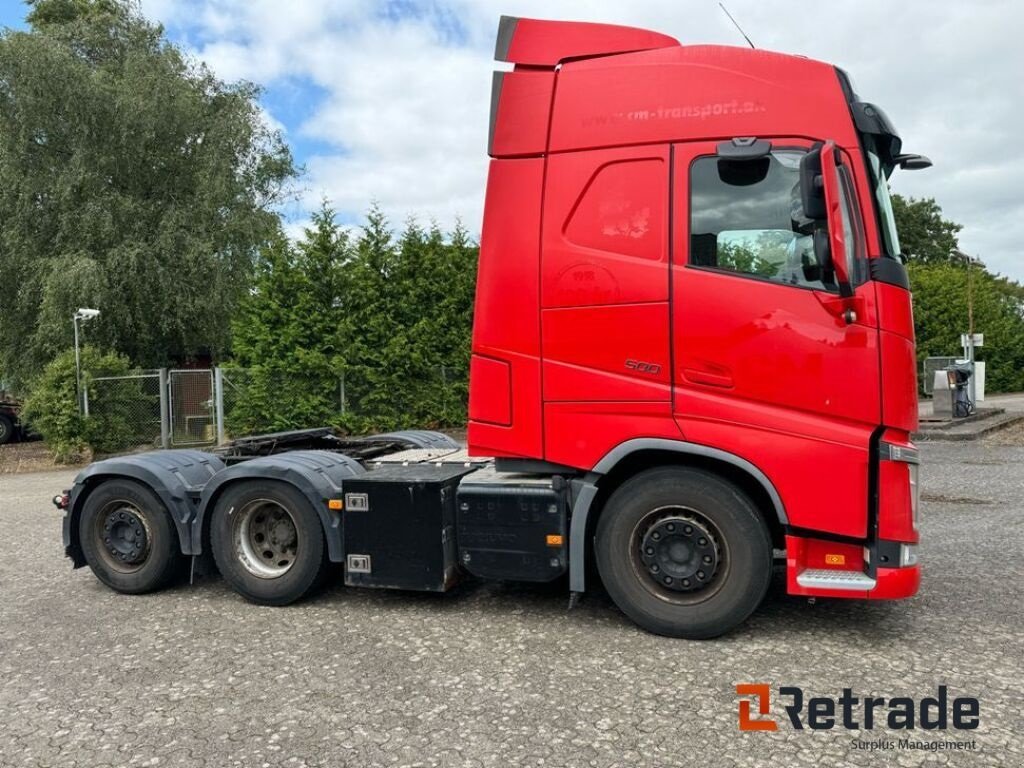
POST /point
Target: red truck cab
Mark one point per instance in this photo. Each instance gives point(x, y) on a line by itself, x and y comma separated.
point(689, 261)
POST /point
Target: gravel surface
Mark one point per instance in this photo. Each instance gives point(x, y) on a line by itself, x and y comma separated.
point(1013, 435)
point(493, 675)
point(31, 456)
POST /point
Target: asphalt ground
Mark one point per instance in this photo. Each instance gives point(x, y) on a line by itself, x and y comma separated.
point(498, 675)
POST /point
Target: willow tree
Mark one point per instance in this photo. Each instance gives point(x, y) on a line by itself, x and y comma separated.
point(131, 179)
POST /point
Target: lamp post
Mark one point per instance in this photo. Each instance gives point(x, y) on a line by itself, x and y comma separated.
point(82, 314)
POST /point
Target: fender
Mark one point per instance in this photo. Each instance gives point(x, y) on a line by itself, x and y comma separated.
point(317, 475)
point(585, 490)
point(418, 438)
point(176, 477)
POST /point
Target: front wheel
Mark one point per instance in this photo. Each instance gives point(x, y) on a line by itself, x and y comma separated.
point(683, 553)
point(267, 542)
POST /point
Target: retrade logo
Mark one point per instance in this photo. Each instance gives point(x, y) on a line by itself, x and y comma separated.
point(762, 694)
point(854, 712)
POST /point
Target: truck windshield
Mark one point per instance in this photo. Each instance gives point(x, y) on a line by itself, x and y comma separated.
point(880, 180)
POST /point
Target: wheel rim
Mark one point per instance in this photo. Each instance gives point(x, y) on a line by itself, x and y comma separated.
point(679, 555)
point(266, 539)
point(123, 536)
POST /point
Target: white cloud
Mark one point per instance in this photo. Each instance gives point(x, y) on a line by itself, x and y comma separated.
point(404, 111)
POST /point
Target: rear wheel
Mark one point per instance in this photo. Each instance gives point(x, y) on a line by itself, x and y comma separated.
point(6, 429)
point(128, 538)
point(683, 553)
point(268, 542)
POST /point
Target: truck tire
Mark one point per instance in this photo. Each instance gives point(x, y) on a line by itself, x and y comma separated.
point(128, 538)
point(6, 429)
point(268, 542)
point(683, 553)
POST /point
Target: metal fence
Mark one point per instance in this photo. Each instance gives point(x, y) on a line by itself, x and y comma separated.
point(928, 368)
point(127, 410)
point(191, 407)
point(254, 400)
point(259, 400)
point(204, 407)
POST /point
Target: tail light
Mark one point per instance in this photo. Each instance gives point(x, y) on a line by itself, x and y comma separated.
point(898, 492)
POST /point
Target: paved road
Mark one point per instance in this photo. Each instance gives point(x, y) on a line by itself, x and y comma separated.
point(1011, 401)
point(496, 675)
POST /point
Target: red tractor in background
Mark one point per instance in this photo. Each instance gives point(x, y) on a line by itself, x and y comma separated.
point(11, 427)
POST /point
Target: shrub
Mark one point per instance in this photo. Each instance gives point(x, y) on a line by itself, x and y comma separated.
point(52, 408)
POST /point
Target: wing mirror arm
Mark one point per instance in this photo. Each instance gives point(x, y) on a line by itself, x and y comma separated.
point(820, 196)
point(823, 252)
point(912, 162)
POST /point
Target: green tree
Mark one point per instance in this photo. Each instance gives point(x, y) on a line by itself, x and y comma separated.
point(132, 180)
point(749, 259)
point(925, 235)
point(941, 315)
point(287, 333)
point(939, 281)
point(380, 366)
point(391, 316)
point(407, 326)
point(52, 407)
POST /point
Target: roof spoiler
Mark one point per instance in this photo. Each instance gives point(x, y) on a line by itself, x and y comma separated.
point(537, 43)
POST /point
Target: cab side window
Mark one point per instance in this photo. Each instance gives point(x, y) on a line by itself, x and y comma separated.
point(747, 218)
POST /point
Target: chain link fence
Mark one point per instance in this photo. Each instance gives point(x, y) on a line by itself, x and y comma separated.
point(200, 407)
point(355, 399)
point(256, 400)
point(430, 397)
point(191, 400)
point(929, 367)
point(128, 412)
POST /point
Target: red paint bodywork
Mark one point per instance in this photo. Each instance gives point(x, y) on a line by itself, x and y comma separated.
point(593, 329)
point(890, 583)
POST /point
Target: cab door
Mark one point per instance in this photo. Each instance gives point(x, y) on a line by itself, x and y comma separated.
point(605, 301)
point(770, 361)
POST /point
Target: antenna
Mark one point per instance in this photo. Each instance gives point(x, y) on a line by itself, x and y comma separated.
point(726, 10)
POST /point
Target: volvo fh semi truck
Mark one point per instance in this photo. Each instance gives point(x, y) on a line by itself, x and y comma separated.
point(693, 351)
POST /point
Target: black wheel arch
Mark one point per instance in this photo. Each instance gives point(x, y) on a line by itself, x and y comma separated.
point(317, 475)
point(174, 476)
point(418, 438)
point(634, 456)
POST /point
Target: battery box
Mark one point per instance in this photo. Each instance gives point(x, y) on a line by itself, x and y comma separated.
point(513, 526)
point(399, 527)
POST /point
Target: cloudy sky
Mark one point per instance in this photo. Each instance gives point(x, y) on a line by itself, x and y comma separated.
point(389, 100)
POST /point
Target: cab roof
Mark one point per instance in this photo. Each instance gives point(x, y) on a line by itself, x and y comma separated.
point(540, 43)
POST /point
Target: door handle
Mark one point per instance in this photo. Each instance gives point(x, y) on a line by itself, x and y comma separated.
point(708, 378)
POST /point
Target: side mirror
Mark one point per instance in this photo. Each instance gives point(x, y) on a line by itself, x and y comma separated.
point(812, 193)
point(913, 162)
point(834, 216)
point(823, 254)
point(821, 200)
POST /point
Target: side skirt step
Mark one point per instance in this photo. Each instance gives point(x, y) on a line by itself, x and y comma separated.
point(824, 578)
